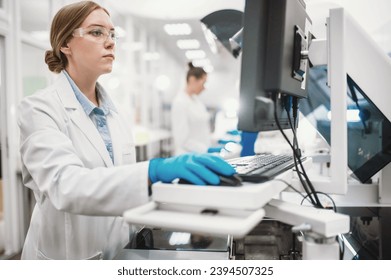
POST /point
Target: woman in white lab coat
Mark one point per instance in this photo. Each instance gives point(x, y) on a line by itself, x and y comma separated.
point(78, 154)
point(190, 120)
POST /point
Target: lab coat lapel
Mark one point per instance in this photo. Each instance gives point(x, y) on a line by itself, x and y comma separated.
point(80, 119)
point(122, 138)
point(115, 133)
point(85, 124)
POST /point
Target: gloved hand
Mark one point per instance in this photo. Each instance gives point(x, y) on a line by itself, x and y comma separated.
point(224, 141)
point(199, 169)
point(248, 141)
point(216, 149)
point(234, 132)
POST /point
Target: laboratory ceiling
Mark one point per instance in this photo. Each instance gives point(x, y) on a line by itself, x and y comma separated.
point(374, 16)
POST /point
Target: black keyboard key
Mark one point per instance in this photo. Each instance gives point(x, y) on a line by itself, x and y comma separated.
point(261, 167)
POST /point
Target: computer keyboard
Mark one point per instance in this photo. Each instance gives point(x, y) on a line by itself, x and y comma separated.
point(261, 167)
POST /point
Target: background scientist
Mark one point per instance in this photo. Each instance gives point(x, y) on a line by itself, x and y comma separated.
point(190, 120)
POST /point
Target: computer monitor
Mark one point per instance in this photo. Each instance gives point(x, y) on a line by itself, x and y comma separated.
point(369, 131)
point(275, 34)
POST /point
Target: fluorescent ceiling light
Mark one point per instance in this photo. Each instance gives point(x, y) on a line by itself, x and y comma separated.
point(188, 44)
point(195, 54)
point(201, 62)
point(204, 63)
point(208, 68)
point(177, 29)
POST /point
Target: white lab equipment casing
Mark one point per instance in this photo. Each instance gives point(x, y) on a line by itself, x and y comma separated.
point(213, 210)
point(195, 219)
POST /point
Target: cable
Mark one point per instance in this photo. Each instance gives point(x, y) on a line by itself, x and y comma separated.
point(297, 157)
point(311, 187)
point(296, 147)
point(299, 173)
point(292, 187)
point(297, 154)
point(294, 155)
point(295, 140)
point(328, 196)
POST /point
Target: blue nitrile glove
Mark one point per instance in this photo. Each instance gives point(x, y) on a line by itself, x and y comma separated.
point(216, 149)
point(247, 142)
point(234, 132)
point(198, 169)
point(223, 141)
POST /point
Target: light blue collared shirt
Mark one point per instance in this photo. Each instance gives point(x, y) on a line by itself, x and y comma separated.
point(96, 114)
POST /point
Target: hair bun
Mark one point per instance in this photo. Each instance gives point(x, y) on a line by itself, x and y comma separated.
point(190, 64)
point(53, 61)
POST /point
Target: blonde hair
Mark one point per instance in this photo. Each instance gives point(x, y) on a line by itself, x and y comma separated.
point(67, 19)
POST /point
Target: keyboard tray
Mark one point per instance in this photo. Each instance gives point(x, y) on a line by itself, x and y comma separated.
point(195, 219)
point(249, 196)
point(262, 167)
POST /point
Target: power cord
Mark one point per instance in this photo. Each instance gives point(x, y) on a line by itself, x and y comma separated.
point(297, 169)
point(308, 187)
point(293, 188)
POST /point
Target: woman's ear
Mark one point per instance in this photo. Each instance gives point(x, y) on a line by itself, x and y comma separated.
point(65, 49)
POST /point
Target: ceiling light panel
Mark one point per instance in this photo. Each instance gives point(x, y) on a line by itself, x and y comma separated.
point(195, 54)
point(201, 62)
point(177, 29)
point(187, 44)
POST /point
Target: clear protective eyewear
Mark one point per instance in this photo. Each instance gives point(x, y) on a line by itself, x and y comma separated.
point(97, 34)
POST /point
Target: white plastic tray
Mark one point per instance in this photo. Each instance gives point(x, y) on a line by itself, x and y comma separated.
point(211, 210)
point(249, 196)
point(195, 219)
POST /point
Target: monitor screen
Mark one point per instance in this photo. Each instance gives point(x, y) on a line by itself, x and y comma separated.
point(274, 34)
point(369, 131)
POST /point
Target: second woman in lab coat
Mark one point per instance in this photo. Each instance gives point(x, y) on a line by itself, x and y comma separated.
point(190, 120)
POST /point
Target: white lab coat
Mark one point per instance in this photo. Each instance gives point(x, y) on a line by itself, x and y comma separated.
point(190, 122)
point(80, 193)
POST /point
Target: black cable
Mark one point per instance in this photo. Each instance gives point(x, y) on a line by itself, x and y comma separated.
point(292, 187)
point(294, 155)
point(311, 187)
point(328, 196)
point(295, 108)
point(299, 173)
